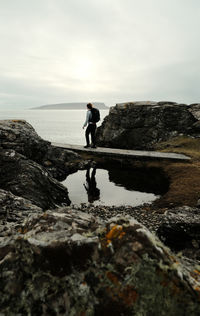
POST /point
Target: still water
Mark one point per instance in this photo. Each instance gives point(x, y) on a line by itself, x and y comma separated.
point(116, 186)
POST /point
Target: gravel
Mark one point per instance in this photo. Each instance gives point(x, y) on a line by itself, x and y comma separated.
point(143, 214)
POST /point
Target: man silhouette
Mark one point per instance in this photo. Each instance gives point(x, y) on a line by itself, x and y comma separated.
point(91, 186)
point(91, 127)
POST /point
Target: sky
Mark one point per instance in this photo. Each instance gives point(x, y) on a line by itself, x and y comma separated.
point(111, 51)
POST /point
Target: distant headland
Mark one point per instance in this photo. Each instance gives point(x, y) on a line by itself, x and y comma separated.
point(70, 106)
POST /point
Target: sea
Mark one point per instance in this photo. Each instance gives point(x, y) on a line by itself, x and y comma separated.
point(61, 126)
point(65, 126)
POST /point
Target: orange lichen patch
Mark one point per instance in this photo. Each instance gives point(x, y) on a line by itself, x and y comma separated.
point(121, 235)
point(112, 277)
point(172, 284)
point(128, 295)
point(197, 272)
point(196, 276)
point(18, 121)
point(22, 230)
point(82, 314)
point(114, 233)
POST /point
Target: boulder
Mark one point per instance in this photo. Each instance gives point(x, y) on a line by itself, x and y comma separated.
point(140, 125)
point(24, 177)
point(180, 230)
point(61, 162)
point(65, 262)
point(20, 136)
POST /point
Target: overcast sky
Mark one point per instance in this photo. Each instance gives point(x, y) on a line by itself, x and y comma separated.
point(55, 51)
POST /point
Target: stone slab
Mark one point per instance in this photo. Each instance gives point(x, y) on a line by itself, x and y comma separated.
point(140, 154)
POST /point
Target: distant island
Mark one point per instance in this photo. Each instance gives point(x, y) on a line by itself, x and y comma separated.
point(70, 106)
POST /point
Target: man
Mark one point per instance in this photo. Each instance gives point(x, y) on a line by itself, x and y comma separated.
point(91, 127)
point(91, 186)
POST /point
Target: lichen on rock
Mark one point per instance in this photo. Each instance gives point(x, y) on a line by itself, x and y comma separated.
point(67, 262)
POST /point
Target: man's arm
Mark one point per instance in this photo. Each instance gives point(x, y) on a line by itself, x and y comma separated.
point(88, 115)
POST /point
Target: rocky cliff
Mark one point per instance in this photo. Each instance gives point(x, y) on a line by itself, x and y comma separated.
point(140, 125)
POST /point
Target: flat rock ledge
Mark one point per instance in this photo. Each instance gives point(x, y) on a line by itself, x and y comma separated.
point(141, 125)
point(66, 262)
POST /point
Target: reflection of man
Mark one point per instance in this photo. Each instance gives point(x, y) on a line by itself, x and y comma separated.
point(91, 186)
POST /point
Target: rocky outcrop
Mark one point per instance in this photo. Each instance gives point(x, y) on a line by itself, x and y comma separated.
point(20, 136)
point(24, 177)
point(66, 262)
point(140, 125)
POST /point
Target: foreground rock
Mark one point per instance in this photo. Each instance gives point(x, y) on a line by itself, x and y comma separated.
point(25, 178)
point(66, 262)
point(140, 125)
point(13, 211)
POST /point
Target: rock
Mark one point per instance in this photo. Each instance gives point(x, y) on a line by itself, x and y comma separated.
point(180, 230)
point(13, 211)
point(140, 125)
point(61, 162)
point(26, 178)
point(66, 262)
point(20, 136)
point(195, 110)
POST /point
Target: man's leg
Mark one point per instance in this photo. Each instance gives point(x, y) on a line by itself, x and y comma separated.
point(93, 136)
point(87, 133)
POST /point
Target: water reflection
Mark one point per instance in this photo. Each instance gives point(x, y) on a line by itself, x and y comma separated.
point(116, 186)
point(91, 186)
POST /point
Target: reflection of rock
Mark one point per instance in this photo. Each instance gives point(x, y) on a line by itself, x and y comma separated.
point(180, 230)
point(149, 180)
point(65, 262)
point(26, 178)
point(140, 125)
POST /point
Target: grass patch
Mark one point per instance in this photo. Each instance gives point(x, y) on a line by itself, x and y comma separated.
point(182, 145)
point(184, 177)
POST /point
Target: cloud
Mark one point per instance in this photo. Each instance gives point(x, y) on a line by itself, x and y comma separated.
point(105, 50)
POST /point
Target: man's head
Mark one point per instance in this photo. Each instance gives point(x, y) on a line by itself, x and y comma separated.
point(89, 106)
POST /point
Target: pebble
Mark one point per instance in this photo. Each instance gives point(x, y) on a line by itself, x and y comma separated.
point(143, 214)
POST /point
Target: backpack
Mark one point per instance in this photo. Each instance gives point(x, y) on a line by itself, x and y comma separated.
point(95, 115)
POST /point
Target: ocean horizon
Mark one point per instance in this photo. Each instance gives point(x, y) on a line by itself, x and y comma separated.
point(61, 126)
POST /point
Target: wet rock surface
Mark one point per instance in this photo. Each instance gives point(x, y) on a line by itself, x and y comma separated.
point(66, 262)
point(24, 177)
point(140, 125)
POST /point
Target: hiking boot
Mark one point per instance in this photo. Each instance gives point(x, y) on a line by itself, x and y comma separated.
point(86, 146)
point(93, 146)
